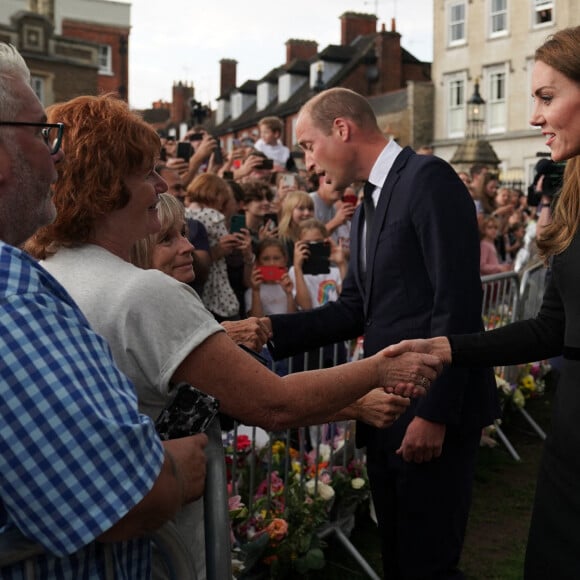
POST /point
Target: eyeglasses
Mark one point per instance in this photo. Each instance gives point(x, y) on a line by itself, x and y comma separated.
point(51, 132)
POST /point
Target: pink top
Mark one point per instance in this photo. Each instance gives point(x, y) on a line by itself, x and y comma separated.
point(489, 260)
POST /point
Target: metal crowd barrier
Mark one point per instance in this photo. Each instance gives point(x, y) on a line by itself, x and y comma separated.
point(506, 299)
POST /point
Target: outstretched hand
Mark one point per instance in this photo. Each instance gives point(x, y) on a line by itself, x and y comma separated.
point(408, 374)
point(438, 346)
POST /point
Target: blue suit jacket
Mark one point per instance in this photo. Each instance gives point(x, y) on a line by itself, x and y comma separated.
point(422, 280)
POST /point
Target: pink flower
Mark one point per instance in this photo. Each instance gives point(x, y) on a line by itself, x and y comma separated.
point(276, 485)
point(235, 502)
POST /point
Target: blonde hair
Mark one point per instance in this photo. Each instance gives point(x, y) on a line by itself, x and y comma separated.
point(171, 214)
point(287, 229)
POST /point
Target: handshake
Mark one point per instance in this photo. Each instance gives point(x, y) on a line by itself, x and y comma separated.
point(411, 366)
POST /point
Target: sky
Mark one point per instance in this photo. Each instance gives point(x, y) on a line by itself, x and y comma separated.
point(184, 40)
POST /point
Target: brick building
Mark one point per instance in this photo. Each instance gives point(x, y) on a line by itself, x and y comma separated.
point(73, 47)
point(371, 62)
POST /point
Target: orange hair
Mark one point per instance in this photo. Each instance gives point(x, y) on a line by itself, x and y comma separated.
point(104, 142)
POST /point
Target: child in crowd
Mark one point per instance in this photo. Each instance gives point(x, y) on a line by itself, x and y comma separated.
point(214, 205)
point(271, 290)
point(489, 258)
point(270, 143)
point(316, 289)
point(260, 221)
point(297, 207)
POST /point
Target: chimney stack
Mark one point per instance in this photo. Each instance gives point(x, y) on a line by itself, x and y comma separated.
point(354, 24)
point(300, 49)
point(228, 73)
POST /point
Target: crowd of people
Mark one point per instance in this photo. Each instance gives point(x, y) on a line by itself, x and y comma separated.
point(124, 277)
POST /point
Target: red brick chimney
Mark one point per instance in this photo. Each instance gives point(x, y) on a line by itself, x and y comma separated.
point(180, 105)
point(354, 24)
point(300, 49)
point(228, 73)
point(390, 61)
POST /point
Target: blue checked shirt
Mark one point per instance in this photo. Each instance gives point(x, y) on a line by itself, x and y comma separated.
point(75, 454)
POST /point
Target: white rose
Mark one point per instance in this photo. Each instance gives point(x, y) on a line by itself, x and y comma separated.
point(326, 492)
point(358, 483)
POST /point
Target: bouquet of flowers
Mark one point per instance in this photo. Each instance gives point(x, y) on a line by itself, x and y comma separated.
point(275, 522)
point(529, 383)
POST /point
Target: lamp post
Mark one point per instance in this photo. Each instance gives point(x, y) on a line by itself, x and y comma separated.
point(474, 149)
point(475, 113)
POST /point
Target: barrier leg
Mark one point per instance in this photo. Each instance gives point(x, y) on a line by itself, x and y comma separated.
point(507, 443)
point(218, 553)
point(333, 528)
point(533, 424)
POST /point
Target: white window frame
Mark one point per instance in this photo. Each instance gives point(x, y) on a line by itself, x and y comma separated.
point(457, 24)
point(498, 14)
point(105, 58)
point(496, 90)
point(456, 104)
point(537, 7)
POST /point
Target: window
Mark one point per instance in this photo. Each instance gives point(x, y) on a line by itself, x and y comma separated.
point(38, 86)
point(457, 23)
point(543, 12)
point(456, 105)
point(498, 17)
point(497, 99)
point(105, 60)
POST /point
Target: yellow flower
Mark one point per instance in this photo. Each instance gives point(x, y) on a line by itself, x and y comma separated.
point(518, 398)
point(357, 483)
point(528, 383)
point(278, 447)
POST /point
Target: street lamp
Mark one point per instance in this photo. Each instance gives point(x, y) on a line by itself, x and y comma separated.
point(475, 113)
point(474, 149)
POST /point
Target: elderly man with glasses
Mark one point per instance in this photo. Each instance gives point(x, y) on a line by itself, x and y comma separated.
point(83, 474)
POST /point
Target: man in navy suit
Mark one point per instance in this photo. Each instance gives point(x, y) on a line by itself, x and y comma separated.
point(415, 275)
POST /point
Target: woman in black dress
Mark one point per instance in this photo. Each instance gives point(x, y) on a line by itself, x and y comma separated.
point(553, 551)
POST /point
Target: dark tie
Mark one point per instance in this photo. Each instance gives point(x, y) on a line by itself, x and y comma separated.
point(369, 206)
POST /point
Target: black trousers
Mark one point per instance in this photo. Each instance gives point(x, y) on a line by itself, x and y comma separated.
point(422, 508)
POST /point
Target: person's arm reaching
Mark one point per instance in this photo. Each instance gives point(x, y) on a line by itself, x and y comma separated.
point(181, 481)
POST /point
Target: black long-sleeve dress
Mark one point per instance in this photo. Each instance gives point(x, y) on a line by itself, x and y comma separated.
point(553, 550)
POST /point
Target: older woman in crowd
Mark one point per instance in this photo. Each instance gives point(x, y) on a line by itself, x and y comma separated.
point(159, 331)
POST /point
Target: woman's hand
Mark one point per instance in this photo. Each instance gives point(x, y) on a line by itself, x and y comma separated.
point(379, 409)
point(409, 374)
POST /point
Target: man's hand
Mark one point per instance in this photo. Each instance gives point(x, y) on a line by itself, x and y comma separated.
point(251, 332)
point(438, 346)
point(409, 374)
point(378, 409)
point(423, 441)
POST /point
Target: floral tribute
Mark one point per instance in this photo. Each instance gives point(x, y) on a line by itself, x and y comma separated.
point(281, 498)
point(529, 383)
